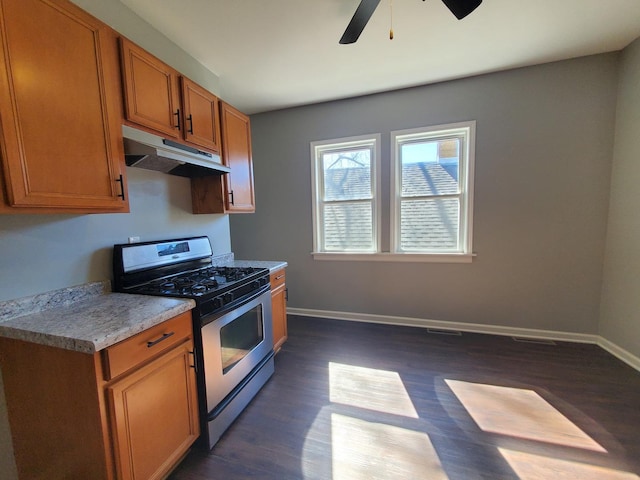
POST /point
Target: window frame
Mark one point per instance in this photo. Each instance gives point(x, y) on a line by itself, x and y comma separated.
point(466, 132)
point(317, 187)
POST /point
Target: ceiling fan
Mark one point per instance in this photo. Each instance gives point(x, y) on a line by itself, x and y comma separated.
point(460, 8)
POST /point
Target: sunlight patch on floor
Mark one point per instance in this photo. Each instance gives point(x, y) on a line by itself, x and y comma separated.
point(364, 450)
point(372, 389)
point(519, 413)
point(534, 467)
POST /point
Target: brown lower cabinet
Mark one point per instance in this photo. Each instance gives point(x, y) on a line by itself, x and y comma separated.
point(279, 308)
point(127, 412)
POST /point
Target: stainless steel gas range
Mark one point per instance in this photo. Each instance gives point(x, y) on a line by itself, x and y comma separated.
point(231, 322)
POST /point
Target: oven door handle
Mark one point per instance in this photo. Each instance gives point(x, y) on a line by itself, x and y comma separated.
point(157, 341)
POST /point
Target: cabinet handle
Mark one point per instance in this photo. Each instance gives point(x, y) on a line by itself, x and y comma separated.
point(163, 337)
point(190, 120)
point(195, 365)
point(231, 195)
point(121, 194)
point(286, 294)
point(280, 276)
point(177, 114)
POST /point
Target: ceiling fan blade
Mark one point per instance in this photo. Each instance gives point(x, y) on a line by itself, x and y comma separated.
point(359, 20)
point(462, 8)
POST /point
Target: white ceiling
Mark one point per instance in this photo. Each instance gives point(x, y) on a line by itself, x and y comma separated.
point(271, 54)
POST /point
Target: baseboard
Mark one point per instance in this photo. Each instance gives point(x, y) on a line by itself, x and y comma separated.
point(442, 325)
point(620, 353)
point(610, 347)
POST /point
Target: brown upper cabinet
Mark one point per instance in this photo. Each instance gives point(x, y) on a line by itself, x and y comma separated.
point(233, 192)
point(202, 126)
point(236, 154)
point(60, 111)
point(158, 98)
point(151, 91)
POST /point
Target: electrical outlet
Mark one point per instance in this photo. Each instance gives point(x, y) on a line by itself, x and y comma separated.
point(134, 239)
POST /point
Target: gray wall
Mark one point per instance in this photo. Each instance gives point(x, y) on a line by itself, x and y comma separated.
point(620, 310)
point(45, 252)
point(543, 159)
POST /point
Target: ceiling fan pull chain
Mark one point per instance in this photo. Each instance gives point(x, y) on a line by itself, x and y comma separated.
point(391, 21)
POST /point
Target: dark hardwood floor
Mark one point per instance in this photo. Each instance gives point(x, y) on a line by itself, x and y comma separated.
point(353, 401)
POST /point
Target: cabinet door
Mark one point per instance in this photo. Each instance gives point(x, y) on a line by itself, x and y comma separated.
point(201, 116)
point(155, 415)
point(152, 98)
point(279, 308)
point(55, 412)
point(236, 154)
point(59, 109)
point(231, 192)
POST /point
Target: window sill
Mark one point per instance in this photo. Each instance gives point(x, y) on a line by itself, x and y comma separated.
point(396, 257)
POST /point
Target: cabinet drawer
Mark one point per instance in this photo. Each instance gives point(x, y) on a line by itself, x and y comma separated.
point(277, 278)
point(145, 345)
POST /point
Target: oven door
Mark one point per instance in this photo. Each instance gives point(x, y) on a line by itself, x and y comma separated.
point(234, 344)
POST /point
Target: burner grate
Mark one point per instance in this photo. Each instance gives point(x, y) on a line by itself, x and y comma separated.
point(206, 281)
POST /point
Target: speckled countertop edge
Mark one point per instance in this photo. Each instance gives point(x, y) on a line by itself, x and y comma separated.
point(222, 260)
point(228, 260)
point(86, 318)
point(271, 265)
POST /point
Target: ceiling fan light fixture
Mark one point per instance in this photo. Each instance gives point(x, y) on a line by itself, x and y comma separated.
point(462, 8)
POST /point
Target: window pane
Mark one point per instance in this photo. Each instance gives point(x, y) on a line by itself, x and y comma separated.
point(429, 224)
point(449, 156)
point(430, 168)
point(347, 175)
point(348, 226)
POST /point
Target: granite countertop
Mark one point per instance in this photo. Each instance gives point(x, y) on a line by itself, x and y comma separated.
point(228, 260)
point(271, 265)
point(89, 318)
point(86, 322)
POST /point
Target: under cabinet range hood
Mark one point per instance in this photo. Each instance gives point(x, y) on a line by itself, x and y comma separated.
point(151, 152)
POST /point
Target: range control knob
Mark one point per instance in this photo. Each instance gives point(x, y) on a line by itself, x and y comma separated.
point(255, 285)
point(217, 302)
point(228, 298)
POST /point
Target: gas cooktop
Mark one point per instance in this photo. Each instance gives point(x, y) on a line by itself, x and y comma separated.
point(183, 268)
point(206, 281)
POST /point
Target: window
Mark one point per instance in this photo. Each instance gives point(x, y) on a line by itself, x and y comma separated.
point(345, 192)
point(432, 190)
point(430, 215)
